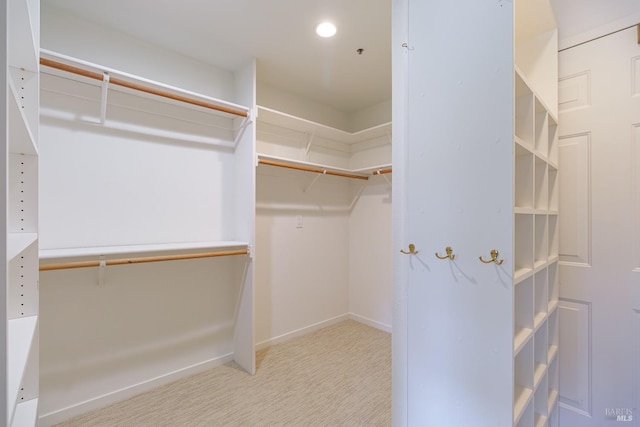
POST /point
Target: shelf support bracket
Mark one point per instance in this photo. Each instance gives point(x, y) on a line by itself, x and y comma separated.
point(242, 128)
point(385, 177)
point(309, 142)
point(324, 172)
point(102, 270)
point(103, 103)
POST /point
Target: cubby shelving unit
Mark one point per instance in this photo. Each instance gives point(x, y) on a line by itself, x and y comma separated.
point(294, 142)
point(21, 228)
point(535, 217)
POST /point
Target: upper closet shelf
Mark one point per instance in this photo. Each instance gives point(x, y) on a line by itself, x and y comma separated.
point(98, 75)
point(278, 118)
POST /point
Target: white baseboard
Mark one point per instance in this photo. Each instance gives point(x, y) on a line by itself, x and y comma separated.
point(51, 418)
point(300, 332)
point(370, 322)
point(316, 326)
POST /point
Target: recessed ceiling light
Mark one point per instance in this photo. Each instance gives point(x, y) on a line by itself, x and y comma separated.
point(326, 29)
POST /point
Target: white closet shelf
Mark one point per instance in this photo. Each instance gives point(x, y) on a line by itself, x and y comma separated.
point(18, 242)
point(278, 118)
point(552, 305)
point(553, 400)
point(375, 170)
point(26, 413)
point(88, 72)
point(540, 421)
point(552, 353)
point(20, 338)
point(60, 253)
point(521, 274)
point(522, 398)
point(538, 373)
point(520, 338)
point(538, 319)
point(310, 167)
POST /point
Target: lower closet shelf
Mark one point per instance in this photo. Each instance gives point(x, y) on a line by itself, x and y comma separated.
point(156, 252)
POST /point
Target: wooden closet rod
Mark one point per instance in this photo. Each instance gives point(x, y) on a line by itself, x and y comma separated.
point(83, 264)
point(382, 171)
point(124, 83)
point(310, 169)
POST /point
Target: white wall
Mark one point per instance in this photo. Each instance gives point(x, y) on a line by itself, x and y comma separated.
point(370, 254)
point(302, 272)
point(73, 36)
point(300, 107)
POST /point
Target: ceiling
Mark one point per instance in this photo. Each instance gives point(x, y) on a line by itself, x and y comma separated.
point(279, 34)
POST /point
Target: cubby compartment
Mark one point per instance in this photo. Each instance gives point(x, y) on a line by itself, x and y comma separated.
point(524, 171)
point(553, 417)
point(540, 357)
point(541, 186)
point(552, 337)
point(540, 401)
point(527, 418)
point(524, 112)
point(523, 389)
point(523, 245)
point(523, 313)
point(553, 140)
point(553, 286)
point(23, 194)
point(540, 297)
point(541, 129)
point(540, 241)
point(553, 236)
point(553, 191)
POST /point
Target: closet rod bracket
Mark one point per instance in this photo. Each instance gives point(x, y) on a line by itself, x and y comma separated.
point(103, 100)
point(102, 267)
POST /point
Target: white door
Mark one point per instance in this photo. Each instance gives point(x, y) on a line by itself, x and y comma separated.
point(599, 97)
point(456, 190)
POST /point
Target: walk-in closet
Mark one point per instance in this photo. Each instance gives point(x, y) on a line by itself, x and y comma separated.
point(186, 215)
point(220, 214)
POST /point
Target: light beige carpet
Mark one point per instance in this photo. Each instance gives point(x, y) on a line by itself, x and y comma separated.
point(337, 376)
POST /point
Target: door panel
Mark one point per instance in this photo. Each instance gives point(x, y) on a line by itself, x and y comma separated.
point(599, 278)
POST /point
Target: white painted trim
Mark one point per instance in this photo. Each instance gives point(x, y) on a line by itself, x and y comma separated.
point(300, 332)
point(317, 326)
point(370, 322)
point(611, 27)
point(46, 420)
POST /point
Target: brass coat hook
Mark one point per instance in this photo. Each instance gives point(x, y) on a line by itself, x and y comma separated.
point(412, 250)
point(449, 254)
point(494, 258)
